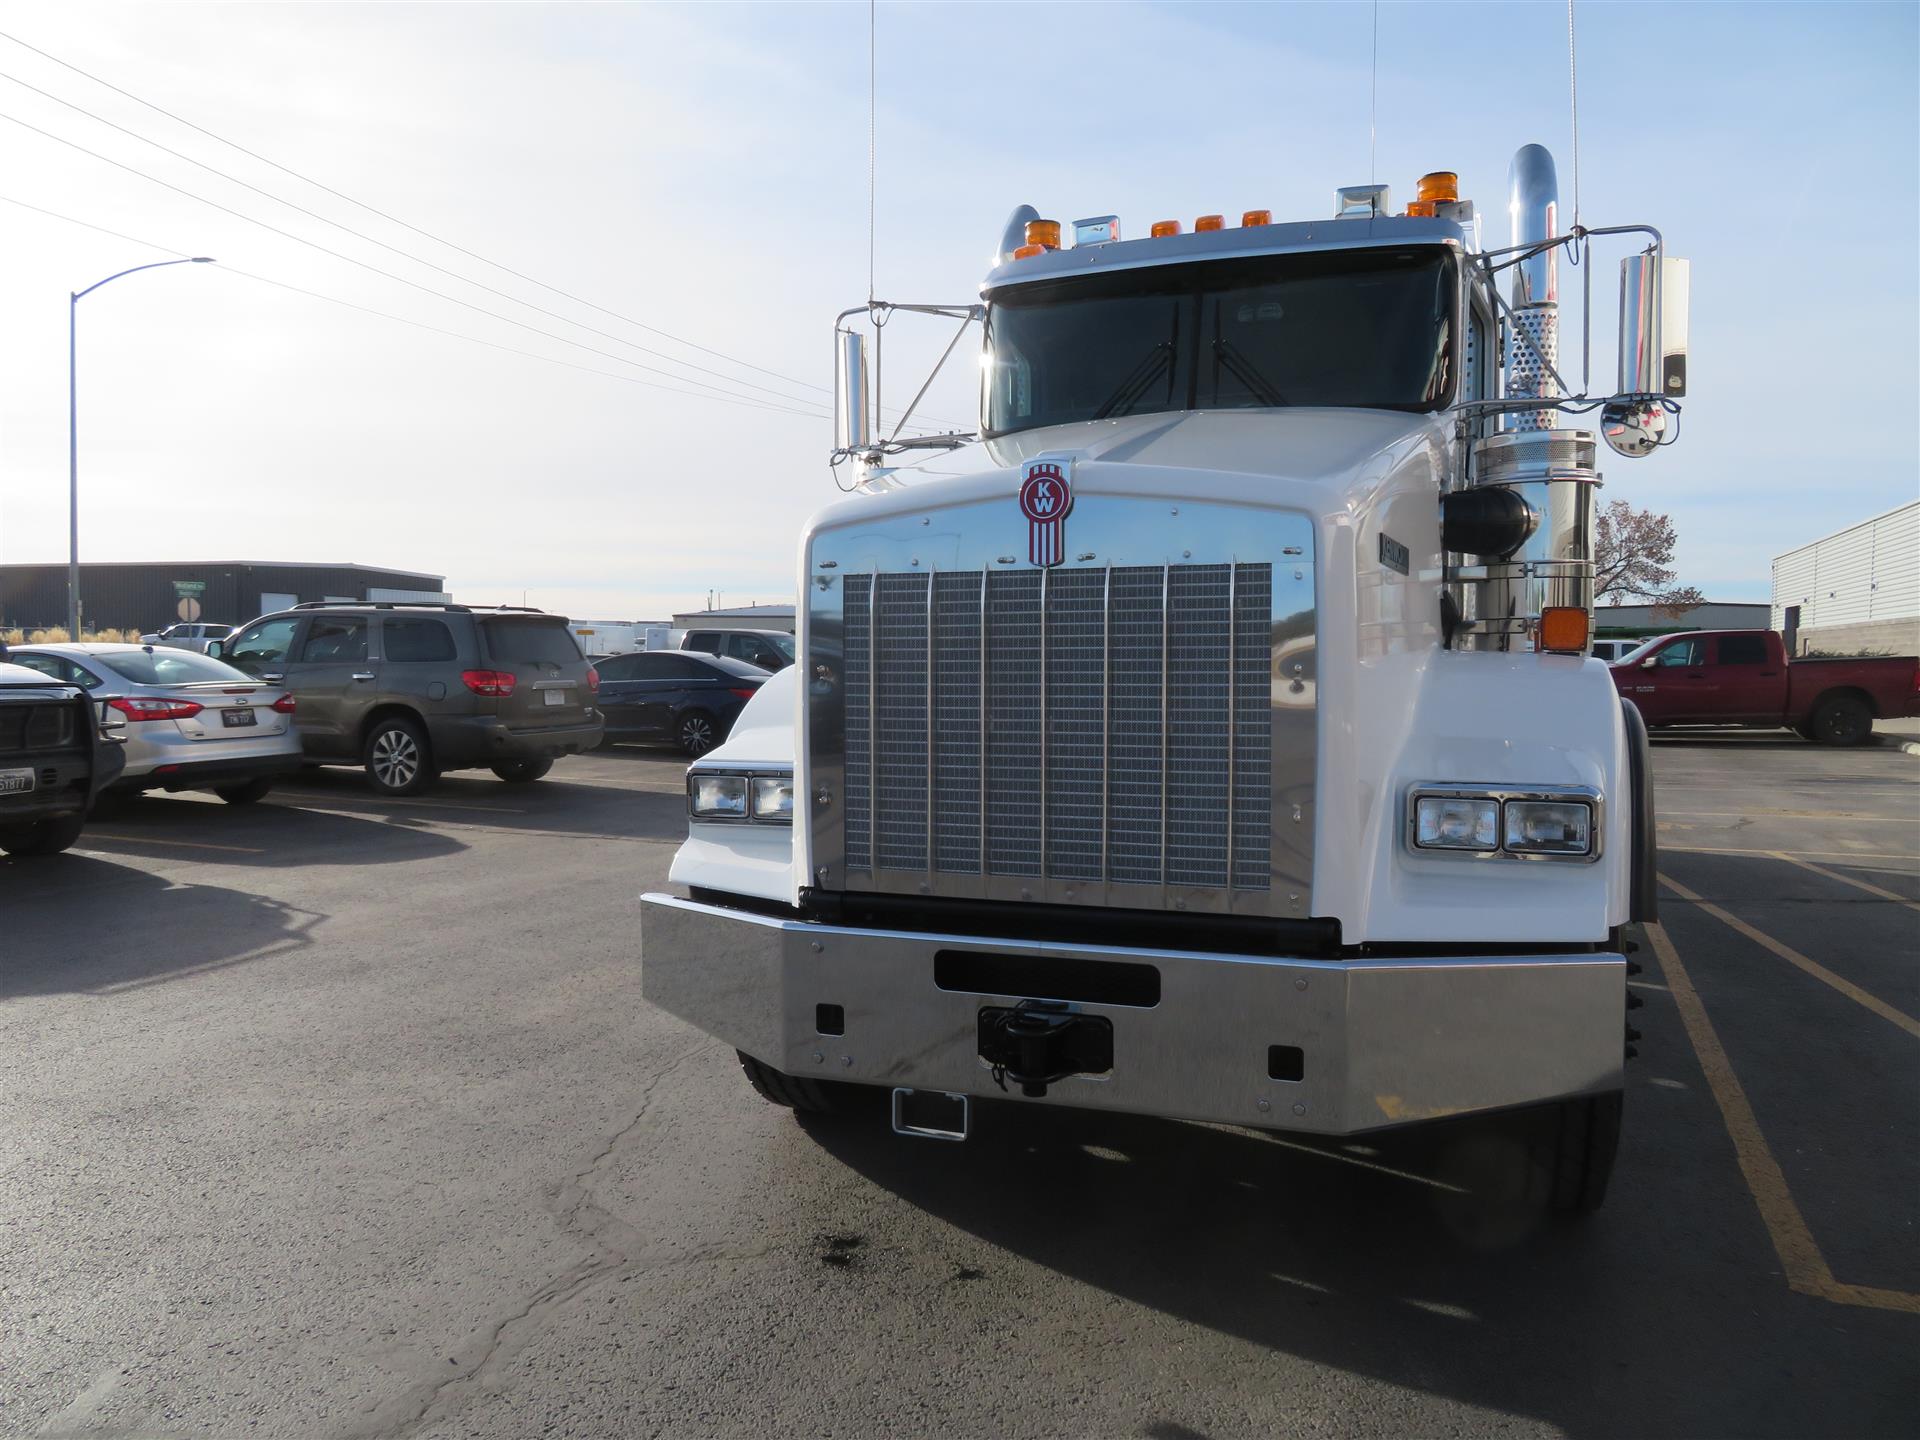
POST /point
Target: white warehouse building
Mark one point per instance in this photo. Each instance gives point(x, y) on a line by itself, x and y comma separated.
point(1857, 589)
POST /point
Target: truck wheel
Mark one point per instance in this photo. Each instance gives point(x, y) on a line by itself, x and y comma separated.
point(42, 837)
point(397, 758)
point(522, 772)
point(1577, 1153)
point(793, 1091)
point(1842, 720)
point(245, 794)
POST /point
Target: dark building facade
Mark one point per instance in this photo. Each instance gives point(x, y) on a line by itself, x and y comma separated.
point(147, 595)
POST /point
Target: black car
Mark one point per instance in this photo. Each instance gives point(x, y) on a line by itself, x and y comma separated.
point(676, 695)
point(54, 762)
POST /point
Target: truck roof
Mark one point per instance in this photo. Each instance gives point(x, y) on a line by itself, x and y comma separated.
point(1287, 238)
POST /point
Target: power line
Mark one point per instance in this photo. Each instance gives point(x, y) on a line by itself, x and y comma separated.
point(364, 265)
point(417, 324)
point(395, 220)
point(395, 249)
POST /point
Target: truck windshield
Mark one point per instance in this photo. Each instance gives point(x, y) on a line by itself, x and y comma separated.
point(1352, 328)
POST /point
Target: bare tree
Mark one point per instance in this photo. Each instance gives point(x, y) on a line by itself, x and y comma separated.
point(1633, 559)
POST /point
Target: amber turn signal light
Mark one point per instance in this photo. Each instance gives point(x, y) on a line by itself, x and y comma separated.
point(1563, 629)
point(1043, 232)
point(1027, 252)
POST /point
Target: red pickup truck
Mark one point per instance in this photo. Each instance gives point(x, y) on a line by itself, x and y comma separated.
point(1744, 678)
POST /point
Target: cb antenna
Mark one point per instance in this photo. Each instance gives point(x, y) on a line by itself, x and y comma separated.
point(1373, 102)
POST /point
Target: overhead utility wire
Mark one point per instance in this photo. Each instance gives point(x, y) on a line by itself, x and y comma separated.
point(417, 324)
point(364, 265)
point(395, 249)
point(396, 220)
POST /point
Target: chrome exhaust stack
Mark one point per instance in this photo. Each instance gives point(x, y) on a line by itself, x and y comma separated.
point(1539, 554)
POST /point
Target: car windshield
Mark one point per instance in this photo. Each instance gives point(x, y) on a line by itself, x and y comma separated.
point(1639, 652)
point(1350, 328)
point(171, 667)
point(532, 641)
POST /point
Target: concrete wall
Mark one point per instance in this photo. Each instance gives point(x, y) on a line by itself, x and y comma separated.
point(1893, 637)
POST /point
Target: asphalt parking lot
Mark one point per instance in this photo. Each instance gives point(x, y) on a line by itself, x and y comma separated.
point(345, 1117)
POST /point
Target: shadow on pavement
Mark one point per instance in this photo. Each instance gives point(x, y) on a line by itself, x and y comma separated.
point(79, 923)
point(189, 827)
point(1420, 1258)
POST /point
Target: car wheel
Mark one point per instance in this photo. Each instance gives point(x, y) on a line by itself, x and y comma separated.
point(697, 733)
point(42, 837)
point(523, 772)
point(397, 758)
point(247, 794)
point(1842, 720)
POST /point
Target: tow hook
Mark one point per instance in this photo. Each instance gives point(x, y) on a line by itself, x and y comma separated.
point(1037, 1043)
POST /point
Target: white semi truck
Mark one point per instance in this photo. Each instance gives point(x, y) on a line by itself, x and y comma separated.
point(1213, 734)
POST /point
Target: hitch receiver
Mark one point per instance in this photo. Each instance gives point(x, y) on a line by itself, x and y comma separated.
point(1035, 1044)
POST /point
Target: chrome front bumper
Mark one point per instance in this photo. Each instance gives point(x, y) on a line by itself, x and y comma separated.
point(1382, 1042)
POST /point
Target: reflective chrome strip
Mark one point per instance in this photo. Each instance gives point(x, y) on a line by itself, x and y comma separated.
point(1233, 703)
point(1045, 835)
point(873, 721)
point(1166, 688)
point(931, 766)
point(984, 735)
point(1106, 717)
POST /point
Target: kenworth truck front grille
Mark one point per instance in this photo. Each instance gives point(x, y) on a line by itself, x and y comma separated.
point(1094, 733)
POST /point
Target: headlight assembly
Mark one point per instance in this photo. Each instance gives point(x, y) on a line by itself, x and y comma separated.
point(763, 797)
point(1502, 822)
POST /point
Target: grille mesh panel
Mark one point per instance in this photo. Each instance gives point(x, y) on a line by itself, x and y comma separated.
point(1123, 735)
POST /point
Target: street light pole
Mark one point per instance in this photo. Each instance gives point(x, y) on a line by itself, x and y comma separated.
point(73, 434)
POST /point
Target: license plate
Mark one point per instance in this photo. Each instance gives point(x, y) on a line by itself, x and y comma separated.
point(555, 697)
point(231, 718)
point(15, 782)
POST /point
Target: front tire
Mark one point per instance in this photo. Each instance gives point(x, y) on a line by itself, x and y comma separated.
point(42, 837)
point(522, 772)
point(697, 733)
point(795, 1092)
point(397, 758)
point(1578, 1152)
point(250, 793)
point(1842, 720)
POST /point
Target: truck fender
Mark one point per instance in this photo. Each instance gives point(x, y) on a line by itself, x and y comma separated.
point(1644, 893)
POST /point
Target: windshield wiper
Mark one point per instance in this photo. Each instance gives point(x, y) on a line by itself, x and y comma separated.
point(1129, 390)
point(1247, 373)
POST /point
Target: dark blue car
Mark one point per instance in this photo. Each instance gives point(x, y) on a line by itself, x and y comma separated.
point(674, 695)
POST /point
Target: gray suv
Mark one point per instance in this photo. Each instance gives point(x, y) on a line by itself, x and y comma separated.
point(413, 689)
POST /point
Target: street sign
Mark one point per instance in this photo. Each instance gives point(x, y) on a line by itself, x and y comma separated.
point(184, 588)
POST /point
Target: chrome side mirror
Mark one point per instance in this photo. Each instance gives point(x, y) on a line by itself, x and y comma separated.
point(218, 648)
point(1653, 325)
point(852, 421)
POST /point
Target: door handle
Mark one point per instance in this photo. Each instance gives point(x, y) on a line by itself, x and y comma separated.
point(363, 675)
point(273, 675)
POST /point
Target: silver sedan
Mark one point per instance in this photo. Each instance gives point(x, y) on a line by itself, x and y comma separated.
point(188, 721)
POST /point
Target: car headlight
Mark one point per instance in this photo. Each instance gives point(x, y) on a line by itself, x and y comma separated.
point(1549, 827)
point(773, 798)
point(762, 797)
point(1506, 822)
point(1444, 822)
point(717, 797)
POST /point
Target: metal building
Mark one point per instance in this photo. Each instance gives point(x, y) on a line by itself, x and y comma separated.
point(1857, 589)
point(1621, 622)
point(737, 617)
point(148, 594)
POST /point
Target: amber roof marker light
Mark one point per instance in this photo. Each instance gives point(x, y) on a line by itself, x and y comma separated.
point(1256, 217)
point(1163, 228)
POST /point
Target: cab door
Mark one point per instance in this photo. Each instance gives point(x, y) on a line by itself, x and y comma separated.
point(1751, 684)
point(1670, 685)
point(333, 680)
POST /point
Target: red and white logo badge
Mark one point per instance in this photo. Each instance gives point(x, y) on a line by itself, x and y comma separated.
point(1045, 498)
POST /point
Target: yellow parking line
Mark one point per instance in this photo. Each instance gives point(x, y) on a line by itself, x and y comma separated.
point(1793, 957)
point(1806, 1268)
point(1792, 815)
point(1845, 854)
point(176, 844)
point(1846, 879)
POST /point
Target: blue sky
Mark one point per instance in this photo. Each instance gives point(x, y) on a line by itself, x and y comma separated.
point(703, 170)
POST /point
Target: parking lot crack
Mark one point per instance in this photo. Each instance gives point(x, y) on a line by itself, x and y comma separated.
point(613, 1243)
